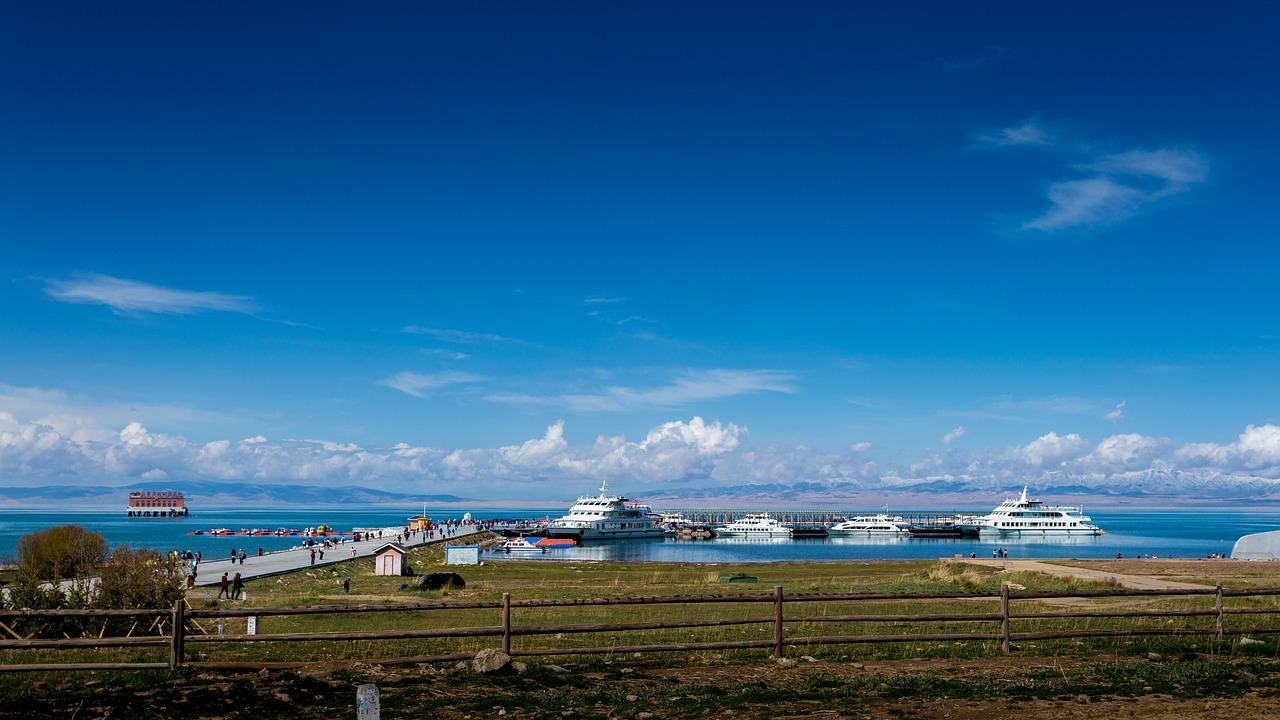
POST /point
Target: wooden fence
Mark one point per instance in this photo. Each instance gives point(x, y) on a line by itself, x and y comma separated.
point(179, 621)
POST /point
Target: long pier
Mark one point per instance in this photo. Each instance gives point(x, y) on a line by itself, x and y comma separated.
point(824, 518)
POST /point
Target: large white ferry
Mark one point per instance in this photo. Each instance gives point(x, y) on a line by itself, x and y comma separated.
point(605, 518)
point(754, 526)
point(878, 524)
point(1024, 517)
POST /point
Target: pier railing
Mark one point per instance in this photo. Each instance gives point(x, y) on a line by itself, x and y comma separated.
point(435, 632)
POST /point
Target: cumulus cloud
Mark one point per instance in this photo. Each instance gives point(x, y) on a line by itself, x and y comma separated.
point(954, 435)
point(1049, 449)
point(1129, 451)
point(419, 384)
point(131, 296)
point(1257, 449)
point(686, 453)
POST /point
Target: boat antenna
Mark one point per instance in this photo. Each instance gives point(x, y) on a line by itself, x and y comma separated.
point(603, 484)
point(1024, 493)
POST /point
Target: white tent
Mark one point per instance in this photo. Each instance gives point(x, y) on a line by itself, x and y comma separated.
point(1258, 546)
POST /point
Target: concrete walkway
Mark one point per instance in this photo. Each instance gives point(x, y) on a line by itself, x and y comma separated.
point(286, 561)
point(1134, 582)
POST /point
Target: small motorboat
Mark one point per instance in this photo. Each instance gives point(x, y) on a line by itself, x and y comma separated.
point(520, 544)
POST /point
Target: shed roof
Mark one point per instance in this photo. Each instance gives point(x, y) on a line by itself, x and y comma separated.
point(391, 547)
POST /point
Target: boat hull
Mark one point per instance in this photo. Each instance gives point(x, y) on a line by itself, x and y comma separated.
point(592, 533)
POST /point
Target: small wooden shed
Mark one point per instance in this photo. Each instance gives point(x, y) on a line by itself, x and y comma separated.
point(388, 559)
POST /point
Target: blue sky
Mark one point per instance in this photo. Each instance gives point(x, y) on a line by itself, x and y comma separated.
point(505, 250)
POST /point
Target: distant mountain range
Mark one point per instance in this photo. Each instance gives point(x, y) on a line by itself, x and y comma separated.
point(207, 493)
point(1148, 487)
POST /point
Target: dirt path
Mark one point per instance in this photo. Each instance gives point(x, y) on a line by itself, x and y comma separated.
point(1135, 582)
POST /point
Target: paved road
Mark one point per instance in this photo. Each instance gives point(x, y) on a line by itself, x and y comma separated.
point(284, 561)
point(1135, 582)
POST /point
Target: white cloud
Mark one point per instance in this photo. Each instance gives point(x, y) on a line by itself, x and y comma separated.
point(1087, 203)
point(678, 453)
point(690, 387)
point(954, 435)
point(535, 452)
point(1050, 449)
point(419, 384)
point(461, 337)
point(1124, 452)
point(1177, 167)
point(1257, 449)
point(1115, 186)
point(131, 296)
point(1120, 186)
point(1116, 415)
point(1029, 133)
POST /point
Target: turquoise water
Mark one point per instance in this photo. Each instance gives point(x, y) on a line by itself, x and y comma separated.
point(1181, 534)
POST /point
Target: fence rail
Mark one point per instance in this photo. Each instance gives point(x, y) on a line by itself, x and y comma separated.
point(180, 621)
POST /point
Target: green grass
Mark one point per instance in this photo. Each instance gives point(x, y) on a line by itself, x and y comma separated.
point(575, 580)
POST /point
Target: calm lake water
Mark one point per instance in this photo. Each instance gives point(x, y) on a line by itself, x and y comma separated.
point(1181, 534)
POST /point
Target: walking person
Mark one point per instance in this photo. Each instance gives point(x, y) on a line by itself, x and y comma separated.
point(223, 588)
point(236, 586)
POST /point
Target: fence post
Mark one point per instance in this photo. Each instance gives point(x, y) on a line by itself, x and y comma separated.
point(1004, 617)
point(777, 621)
point(176, 650)
point(506, 623)
point(1222, 630)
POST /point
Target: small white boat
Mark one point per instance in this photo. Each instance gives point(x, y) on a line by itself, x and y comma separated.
point(878, 524)
point(754, 526)
point(520, 544)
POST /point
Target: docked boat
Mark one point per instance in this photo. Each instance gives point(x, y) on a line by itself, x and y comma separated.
point(878, 524)
point(605, 517)
point(520, 544)
point(1025, 517)
point(754, 526)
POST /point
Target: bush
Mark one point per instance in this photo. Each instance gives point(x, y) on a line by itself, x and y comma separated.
point(52, 574)
point(59, 553)
point(139, 578)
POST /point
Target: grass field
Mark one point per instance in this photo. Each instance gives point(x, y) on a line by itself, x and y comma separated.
point(918, 678)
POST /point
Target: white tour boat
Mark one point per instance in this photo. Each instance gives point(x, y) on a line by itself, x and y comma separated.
point(878, 524)
point(520, 544)
point(605, 518)
point(1030, 518)
point(754, 526)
